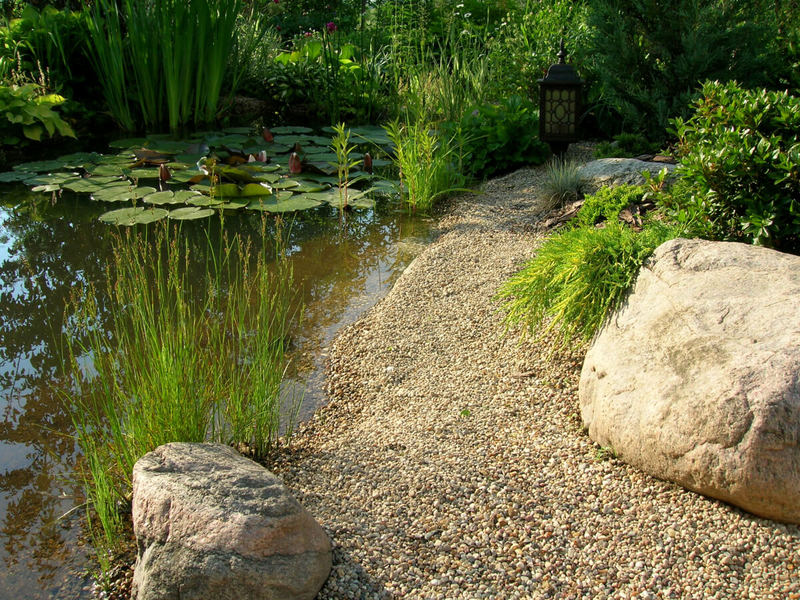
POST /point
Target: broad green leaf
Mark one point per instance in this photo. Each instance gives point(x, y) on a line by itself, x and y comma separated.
point(121, 216)
point(190, 213)
point(14, 176)
point(159, 198)
point(129, 143)
point(39, 166)
point(290, 204)
point(291, 129)
point(284, 184)
point(187, 195)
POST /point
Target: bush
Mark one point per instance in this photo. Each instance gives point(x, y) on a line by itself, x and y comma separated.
point(649, 57)
point(740, 167)
point(528, 40)
point(607, 202)
point(626, 145)
point(580, 276)
point(501, 137)
point(29, 113)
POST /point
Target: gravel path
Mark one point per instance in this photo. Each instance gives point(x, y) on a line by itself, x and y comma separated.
point(451, 461)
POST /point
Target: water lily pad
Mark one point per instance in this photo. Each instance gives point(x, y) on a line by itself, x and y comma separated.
point(202, 188)
point(14, 176)
point(274, 148)
point(119, 194)
point(235, 204)
point(53, 187)
point(107, 170)
point(291, 129)
point(89, 185)
point(188, 175)
point(310, 187)
point(51, 179)
point(160, 198)
point(168, 146)
point(255, 189)
point(142, 173)
point(187, 195)
point(40, 166)
point(121, 216)
point(201, 200)
point(284, 184)
point(268, 177)
point(80, 159)
point(128, 143)
point(150, 216)
point(281, 203)
point(239, 130)
point(190, 159)
point(190, 213)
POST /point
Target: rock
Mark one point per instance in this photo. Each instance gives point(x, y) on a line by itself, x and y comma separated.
point(696, 379)
point(212, 524)
point(610, 172)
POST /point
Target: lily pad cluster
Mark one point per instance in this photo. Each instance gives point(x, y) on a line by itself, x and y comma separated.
point(157, 177)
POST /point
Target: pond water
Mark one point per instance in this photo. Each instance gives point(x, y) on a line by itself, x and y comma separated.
point(341, 267)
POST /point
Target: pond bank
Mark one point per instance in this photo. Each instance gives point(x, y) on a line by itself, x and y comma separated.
point(451, 461)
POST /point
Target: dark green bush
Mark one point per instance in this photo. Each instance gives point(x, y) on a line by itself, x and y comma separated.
point(626, 145)
point(740, 167)
point(578, 277)
point(649, 56)
point(501, 137)
point(607, 202)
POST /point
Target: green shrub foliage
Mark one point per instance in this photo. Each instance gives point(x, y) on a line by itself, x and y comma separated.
point(607, 202)
point(501, 137)
point(578, 277)
point(740, 167)
point(649, 56)
point(29, 114)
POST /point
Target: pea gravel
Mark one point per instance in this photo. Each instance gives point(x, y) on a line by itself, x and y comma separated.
point(450, 461)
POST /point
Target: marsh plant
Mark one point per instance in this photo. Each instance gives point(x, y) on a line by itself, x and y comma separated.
point(340, 143)
point(429, 163)
point(182, 357)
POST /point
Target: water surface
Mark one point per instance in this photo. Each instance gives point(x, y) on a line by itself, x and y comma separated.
point(341, 267)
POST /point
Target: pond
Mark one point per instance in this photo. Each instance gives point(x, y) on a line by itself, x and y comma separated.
point(341, 265)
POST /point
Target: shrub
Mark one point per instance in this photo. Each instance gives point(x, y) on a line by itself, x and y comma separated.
point(607, 202)
point(501, 137)
point(29, 112)
point(626, 145)
point(578, 277)
point(649, 56)
point(740, 167)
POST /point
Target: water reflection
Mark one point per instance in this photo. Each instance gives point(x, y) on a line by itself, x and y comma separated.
point(340, 266)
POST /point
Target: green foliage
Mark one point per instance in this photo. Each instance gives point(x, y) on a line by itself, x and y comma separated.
point(171, 54)
point(429, 162)
point(561, 183)
point(740, 167)
point(29, 112)
point(648, 57)
point(527, 43)
point(578, 277)
point(626, 145)
point(185, 359)
point(607, 202)
point(499, 137)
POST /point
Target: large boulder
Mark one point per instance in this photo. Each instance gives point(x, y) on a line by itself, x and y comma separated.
point(696, 379)
point(611, 172)
point(211, 524)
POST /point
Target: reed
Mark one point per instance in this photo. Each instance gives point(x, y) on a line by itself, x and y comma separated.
point(182, 356)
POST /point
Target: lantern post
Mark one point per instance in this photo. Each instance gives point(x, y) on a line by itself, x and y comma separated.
point(560, 105)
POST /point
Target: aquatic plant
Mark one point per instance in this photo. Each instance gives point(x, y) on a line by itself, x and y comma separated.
point(429, 163)
point(184, 358)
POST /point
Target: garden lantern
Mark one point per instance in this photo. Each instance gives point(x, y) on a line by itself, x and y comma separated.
point(559, 105)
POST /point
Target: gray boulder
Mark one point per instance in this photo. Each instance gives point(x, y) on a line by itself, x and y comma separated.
point(696, 379)
point(610, 172)
point(212, 524)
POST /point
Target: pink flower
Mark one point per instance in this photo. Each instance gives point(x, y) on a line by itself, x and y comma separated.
point(330, 26)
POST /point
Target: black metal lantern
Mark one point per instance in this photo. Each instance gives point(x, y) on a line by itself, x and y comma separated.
point(559, 104)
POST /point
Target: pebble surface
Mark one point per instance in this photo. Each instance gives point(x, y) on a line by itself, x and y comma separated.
point(451, 462)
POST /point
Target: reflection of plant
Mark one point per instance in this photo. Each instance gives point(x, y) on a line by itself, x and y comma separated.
point(29, 112)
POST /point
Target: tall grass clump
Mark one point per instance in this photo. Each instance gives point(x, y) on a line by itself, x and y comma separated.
point(163, 63)
point(429, 163)
point(578, 277)
point(561, 182)
point(182, 357)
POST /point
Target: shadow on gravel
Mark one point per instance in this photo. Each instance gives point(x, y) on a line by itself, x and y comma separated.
point(348, 579)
